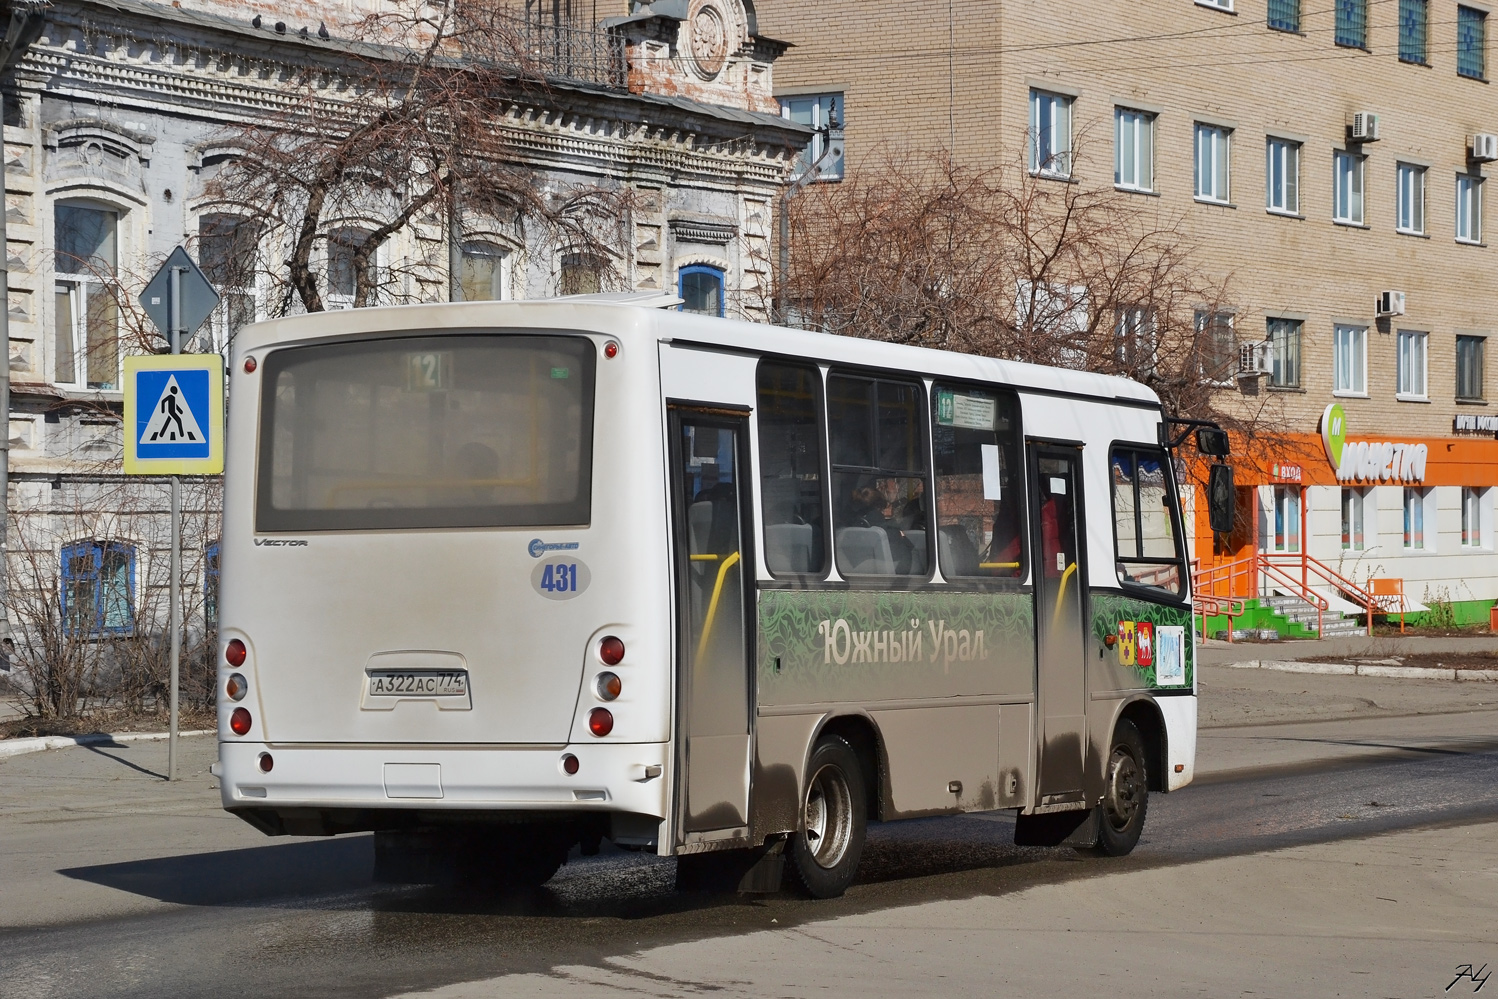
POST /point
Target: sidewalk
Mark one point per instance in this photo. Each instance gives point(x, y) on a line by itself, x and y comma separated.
point(1214, 652)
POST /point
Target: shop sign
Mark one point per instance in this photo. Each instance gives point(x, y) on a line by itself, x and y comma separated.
point(1369, 461)
point(1285, 473)
point(1474, 423)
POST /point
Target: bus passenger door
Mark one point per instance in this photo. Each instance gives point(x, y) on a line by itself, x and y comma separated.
point(713, 569)
point(1060, 604)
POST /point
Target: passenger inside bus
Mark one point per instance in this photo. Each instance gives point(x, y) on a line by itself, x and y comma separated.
point(871, 505)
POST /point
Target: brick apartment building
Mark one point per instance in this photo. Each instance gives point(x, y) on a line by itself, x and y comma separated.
point(1320, 155)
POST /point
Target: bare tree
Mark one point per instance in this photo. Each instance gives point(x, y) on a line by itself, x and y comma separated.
point(1005, 262)
point(412, 131)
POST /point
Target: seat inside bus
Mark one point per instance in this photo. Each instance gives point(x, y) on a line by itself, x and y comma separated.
point(788, 547)
point(864, 551)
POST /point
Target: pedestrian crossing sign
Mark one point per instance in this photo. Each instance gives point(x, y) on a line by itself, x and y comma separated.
point(174, 414)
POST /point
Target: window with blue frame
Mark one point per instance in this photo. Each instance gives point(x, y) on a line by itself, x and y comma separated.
point(98, 588)
point(210, 586)
point(1413, 15)
point(701, 288)
point(1351, 27)
point(1471, 42)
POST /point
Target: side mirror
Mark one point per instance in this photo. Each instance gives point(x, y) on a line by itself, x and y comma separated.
point(1212, 442)
point(1220, 497)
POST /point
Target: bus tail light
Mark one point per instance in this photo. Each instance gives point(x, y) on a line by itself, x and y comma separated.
point(600, 721)
point(570, 766)
point(239, 721)
point(236, 687)
point(609, 686)
point(267, 763)
point(611, 651)
point(234, 652)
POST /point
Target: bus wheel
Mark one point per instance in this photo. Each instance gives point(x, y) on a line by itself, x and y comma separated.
point(825, 856)
point(1125, 792)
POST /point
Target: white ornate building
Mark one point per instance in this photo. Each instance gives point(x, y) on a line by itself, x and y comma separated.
point(114, 117)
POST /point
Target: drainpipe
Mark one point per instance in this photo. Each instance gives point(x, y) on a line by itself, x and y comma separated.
point(24, 26)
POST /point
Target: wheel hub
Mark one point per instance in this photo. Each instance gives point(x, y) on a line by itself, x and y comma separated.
point(1125, 789)
point(829, 816)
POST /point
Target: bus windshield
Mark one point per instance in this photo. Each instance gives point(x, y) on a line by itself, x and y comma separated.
point(469, 430)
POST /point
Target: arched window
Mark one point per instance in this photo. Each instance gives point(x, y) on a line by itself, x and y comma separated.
point(228, 248)
point(87, 320)
point(582, 274)
point(343, 284)
point(483, 272)
point(702, 288)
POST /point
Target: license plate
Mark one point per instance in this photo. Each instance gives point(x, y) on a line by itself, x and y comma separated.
point(418, 683)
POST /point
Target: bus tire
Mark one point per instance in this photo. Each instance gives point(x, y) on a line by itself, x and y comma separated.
point(1125, 792)
point(825, 855)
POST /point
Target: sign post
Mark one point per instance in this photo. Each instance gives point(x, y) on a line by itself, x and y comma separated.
point(174, 418)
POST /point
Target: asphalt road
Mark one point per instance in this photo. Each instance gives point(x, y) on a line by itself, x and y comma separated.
point(113, 884)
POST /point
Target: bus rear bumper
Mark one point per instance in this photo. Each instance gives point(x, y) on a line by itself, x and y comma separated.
point(624, 777)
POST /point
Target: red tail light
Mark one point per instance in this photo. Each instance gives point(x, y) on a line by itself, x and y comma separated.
point(266, 763)
point(239, 721)
point(611, 651)
point(234, 652)
point(600, 721)
point(570, 765)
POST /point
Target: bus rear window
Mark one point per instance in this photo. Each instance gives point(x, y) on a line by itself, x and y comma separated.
point(427, 432)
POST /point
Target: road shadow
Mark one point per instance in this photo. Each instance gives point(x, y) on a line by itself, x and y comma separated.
point(97, 748)
point(231, 877)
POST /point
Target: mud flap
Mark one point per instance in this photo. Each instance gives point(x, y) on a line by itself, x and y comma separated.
point(758, 871)
point(1077, 828)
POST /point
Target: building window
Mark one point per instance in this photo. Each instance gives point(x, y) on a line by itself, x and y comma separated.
point(1287, 518)
point(701, 289)
point(1471, 43)
point(1350, 360)
point(1050, 134)
point(1216, 346)
point(1347, 173)
point(1471, 355)
point(227, 252)
point(1413, 16)
point(1353, 504)
point(210, 586)
point(1145, 533)
point(343, 277)
point(1284, 15)
point(1136, 342)
point(1410, 185)
point(87, 319)
point(98, 588)
point(1212, 163)
point(1414, 517)
point(1352, 23)
point(1468, 208)
point(582, 274)
point(1471, 517)
point(1284, 353)
point(1411, 364)
point(483, 272)
point(1282, 176)
point(1134, 145)
point(824, 112)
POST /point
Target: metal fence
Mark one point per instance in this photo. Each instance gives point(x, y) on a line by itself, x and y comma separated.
point(559, 50)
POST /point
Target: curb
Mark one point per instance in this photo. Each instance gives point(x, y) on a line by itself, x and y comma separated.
point(20, 747)
point(1359, 669)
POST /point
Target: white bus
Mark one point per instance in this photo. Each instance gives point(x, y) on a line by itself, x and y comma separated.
point(501, 579)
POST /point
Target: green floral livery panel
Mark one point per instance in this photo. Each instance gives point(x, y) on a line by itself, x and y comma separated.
point(1120, 616)
point(866, 645)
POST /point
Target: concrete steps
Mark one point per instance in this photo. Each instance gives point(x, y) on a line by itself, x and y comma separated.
point(1296, 610)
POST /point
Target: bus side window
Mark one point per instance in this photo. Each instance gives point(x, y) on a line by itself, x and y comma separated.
point(790, 469)
point(879, 495)
point(1144, 520)
point(979, 482)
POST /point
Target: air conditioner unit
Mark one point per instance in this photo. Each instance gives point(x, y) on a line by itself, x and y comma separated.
point(1363, 127)
point(1484, 146)
point(1390, 303)
point(1255, 359)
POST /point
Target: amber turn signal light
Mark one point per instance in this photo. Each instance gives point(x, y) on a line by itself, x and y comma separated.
point(239, 721)
point(609, 685)
point(237, 687)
